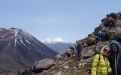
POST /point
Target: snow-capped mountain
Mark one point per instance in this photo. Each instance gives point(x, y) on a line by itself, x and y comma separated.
point(19, 49)
point(48, 40)
point(57, 44)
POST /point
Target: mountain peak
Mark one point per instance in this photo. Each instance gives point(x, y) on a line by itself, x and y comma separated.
point(19, 49)
point(49, 40)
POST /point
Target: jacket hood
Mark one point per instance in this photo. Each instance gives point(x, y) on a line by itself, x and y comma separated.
point(116, 43)
point(102, 50)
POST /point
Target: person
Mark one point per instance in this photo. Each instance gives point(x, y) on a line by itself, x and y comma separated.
point(115, 58)
point(103, 36)
point(99, 33)
point(103, 33)
point(97, 40)
point(79, 49)
point(101, 64)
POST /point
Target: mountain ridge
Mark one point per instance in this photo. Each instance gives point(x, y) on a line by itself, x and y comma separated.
point(19, 49)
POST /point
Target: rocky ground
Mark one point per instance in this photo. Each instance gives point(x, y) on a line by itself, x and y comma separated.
point(72, 67)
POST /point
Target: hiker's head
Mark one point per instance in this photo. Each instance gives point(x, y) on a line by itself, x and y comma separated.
point(79, 44)
point(107, 51)
point(114, 47)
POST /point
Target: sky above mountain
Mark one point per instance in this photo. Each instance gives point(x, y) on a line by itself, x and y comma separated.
point(70, 20)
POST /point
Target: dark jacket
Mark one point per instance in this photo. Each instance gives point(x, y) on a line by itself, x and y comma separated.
point(79, 47)
point(115, 59)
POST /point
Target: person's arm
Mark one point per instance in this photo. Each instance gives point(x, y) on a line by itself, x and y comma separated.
point(95, 64)
point(77, 47)
point(82, 46)
point(109, 62)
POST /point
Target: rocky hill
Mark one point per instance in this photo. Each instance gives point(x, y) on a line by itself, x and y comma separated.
point(67, 64)
point(19, 49)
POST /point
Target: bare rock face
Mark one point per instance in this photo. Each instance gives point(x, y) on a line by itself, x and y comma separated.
point(43, 64)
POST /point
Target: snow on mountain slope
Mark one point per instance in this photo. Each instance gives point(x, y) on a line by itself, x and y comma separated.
point(48, 40)
point(57, 44)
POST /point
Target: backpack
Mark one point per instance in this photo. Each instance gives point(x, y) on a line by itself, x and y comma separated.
point(103, 33)
point(99, 33)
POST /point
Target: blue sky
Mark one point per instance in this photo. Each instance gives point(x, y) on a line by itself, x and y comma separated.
point(70, 20)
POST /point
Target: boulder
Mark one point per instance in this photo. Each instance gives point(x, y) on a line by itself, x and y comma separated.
point(43, 64)
point(110, 34)
point(69, 52)
point(113, 15)
point(115, 34)
point(27, 71)
point(118, 16)
point(84, 45)
point(90, 40)
point(100, 45)
point(80, 65)
point(72, 47)
point(117, 23)
point(88, 54)
point(58, 57)
point(78, 42)
point(107, 21)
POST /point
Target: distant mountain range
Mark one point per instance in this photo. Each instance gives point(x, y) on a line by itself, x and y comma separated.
point(57, 44)
point(19, 49)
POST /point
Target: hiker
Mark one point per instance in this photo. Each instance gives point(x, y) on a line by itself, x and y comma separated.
point(103, 36)
point(79, 49)
point(101, 64)
point(115, 58)
point(97, 40)
point(99, 33)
